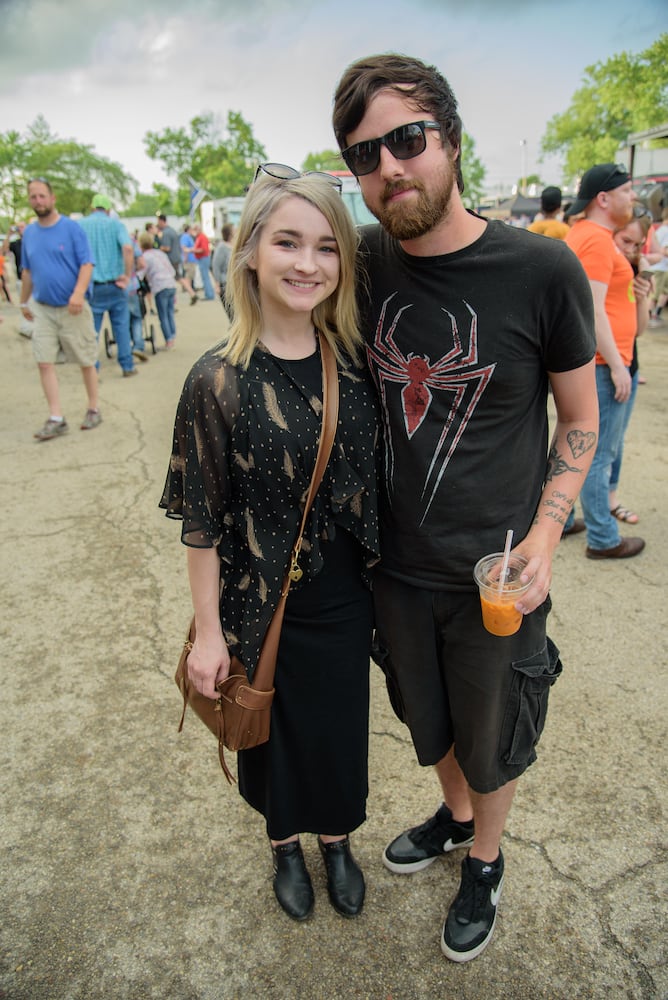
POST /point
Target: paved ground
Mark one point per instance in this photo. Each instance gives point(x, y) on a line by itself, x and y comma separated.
point(131, 870)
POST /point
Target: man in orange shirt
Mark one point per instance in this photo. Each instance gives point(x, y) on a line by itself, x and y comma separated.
point(606, 197)
point(550, 224)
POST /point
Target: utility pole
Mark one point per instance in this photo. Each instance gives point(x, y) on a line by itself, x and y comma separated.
point(523, 166)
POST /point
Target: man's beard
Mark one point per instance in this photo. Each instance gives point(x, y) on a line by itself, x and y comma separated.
point(624, 218)
point(408, 222)
point(42, 212)
point(622, 215)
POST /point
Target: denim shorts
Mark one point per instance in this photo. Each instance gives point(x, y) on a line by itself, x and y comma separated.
point(452, 682)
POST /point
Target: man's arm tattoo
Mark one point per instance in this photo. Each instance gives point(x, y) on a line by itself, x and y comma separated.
point(559, 505)
point(580, 443)
point(556, 465)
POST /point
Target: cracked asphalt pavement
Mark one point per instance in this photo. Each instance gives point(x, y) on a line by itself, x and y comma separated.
point(130, 869)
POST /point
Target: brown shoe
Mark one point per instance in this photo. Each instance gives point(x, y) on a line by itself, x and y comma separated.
point(575, 528)
point(627, 547)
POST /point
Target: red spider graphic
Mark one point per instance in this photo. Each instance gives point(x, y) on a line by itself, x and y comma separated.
point(420, 377)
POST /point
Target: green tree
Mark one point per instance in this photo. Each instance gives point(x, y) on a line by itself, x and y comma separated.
point(474, 173)
point(524, 184)
point(626, 93)
point(160, 199)
point(328, 160)
point(73, 169)
point(535, 180)
point(221, 160)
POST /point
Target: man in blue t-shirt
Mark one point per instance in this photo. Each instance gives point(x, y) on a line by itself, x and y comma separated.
point(57, 265)
point(114, 263)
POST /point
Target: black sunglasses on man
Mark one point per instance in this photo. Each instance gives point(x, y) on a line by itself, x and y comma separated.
point(403, 142)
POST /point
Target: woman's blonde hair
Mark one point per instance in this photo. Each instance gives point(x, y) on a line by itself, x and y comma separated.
point(336, 317)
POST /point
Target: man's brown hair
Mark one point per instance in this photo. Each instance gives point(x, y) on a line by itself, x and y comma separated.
point(424, 85)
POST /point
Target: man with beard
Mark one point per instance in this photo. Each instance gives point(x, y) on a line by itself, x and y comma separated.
point(606, 197)
point(57, 266)
point(467, 322)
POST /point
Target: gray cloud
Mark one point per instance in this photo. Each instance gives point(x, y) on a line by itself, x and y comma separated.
point(50, 36)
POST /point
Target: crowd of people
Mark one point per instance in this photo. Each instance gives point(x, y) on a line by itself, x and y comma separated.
point(73, 272)
point(450, 333)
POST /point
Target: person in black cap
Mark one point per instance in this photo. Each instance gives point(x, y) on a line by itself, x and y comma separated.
point(606, 197)
point(550, 224)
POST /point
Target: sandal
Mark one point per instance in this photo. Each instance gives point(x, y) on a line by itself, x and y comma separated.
point(622, 514)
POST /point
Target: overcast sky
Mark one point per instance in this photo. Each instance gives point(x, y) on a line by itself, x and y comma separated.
point(104, 73)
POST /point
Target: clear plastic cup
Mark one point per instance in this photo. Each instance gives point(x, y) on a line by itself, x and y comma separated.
point(499, 615)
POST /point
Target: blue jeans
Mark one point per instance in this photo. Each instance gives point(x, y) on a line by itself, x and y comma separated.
point(617, 464)
point(109, 298)
point(164, 303)
point(602, 530)
point(204, 264)
point(136, 326)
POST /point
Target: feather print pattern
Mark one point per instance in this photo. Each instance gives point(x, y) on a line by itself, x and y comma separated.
point(288, 465)
point(199, 445)
point(244, 463)
point(272, 407)
point(253, 543)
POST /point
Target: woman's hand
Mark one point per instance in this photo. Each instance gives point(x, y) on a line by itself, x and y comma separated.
point(208, 663)
point(209, 659)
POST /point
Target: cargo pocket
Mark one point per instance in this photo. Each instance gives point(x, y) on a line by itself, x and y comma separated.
point(527, 704)
point(381, 657)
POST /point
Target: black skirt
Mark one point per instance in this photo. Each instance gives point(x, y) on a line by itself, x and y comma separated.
point(311, 777)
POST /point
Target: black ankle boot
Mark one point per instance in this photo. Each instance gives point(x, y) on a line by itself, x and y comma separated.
point(292, 882)
point(345, 881)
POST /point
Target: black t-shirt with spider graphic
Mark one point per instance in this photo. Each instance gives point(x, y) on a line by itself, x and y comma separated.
point(460, 347)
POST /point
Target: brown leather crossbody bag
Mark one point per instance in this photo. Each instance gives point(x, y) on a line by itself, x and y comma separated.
point(241, 715)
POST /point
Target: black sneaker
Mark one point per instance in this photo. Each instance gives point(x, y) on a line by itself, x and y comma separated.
point(470, 922)
point(418, 847)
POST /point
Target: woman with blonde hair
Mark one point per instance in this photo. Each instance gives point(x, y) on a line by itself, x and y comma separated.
point(245, 440)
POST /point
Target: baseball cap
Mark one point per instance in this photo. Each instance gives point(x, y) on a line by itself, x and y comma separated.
point(602, 177)
point(101, 201)
point(550, 199)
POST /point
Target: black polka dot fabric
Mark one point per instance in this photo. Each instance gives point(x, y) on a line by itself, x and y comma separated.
point(243, 452)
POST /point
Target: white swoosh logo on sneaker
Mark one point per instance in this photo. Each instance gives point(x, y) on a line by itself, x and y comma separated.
point(494, 894)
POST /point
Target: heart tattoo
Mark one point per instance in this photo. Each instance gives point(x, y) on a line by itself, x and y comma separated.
point(580, 443)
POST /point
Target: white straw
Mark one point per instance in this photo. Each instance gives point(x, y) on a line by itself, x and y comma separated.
point(506, 558)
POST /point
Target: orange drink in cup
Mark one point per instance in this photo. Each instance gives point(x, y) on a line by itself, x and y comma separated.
point(498, 598)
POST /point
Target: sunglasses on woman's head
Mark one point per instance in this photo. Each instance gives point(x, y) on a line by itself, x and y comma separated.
point(281, 172)
point(404, 143)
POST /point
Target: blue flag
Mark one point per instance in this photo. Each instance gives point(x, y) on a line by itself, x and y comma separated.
point(197, 196)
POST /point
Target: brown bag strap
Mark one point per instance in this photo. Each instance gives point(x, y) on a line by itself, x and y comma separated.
point(263, 678)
